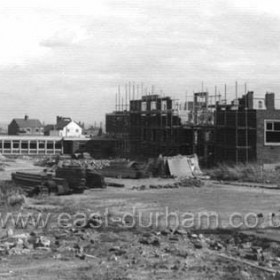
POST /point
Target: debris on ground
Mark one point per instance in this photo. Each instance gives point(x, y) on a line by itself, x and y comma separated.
point(116, 185)
point(191, 182)
point(118, 252)
point(159, 186)
point(165, 250)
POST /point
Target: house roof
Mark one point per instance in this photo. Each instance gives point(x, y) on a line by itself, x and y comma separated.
point(94, 131)
point(49, 127)
point(61, 124)
point(24, 123)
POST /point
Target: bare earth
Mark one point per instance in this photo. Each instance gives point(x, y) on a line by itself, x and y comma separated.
point(158, 252)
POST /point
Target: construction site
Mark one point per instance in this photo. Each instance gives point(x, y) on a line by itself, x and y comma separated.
point(240, 131)
point(139, 140)
point(118, 219)
point(173, 190)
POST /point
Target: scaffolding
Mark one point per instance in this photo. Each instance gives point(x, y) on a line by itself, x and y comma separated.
point(155, 127)
point(206, 124)
point(236, 130)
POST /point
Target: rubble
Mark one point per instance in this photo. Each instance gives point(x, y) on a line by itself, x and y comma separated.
point(164, 250)
point(191, 182)
point(87, 162)
point(175, 185)
point(23, 244)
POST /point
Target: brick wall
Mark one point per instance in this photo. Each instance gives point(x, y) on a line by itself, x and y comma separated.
point(266, 154)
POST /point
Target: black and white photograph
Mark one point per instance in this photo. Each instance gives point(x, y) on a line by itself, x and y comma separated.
point(139, 139)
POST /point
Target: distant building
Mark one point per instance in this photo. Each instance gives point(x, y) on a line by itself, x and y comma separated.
point(25, 126)
point(48, 128)
point(92, 131)
point(64, 127)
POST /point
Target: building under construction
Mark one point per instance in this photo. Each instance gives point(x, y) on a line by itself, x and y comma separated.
point(246, 130)
point(152, 124)
point(117, 127)
point(155, 128)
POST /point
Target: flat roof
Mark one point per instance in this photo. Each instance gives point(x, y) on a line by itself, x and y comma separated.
point(31, 137)
point(76, 138)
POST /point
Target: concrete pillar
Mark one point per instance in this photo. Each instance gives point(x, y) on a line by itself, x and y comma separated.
point(54, 147)
point(62, 148)
point(37, 146)
point(28, 146)
point(11, 146)
point(20, 143)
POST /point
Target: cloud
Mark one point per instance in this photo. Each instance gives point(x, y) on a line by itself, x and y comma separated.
point(59, 39)
point(65, 37)
point(68, 57)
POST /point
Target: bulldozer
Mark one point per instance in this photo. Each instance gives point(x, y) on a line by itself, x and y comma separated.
point(64, 180)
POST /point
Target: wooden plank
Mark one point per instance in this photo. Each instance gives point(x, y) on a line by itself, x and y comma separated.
point(247, 263)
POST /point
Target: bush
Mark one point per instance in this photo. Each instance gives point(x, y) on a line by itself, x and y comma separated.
point(241, 172)
point(15, 199)
point(10, 194)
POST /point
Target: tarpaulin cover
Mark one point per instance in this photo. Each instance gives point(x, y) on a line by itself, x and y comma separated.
point(179, 166)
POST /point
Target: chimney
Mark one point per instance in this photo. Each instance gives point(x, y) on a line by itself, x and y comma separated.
point(250, 100)
point(270, 101)
point(58, 119)
point(26, 117)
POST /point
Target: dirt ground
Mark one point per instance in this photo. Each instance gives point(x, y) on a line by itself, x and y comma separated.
point(131, 242)
point(12, 165)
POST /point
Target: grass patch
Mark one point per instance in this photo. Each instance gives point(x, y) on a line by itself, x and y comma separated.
point(244, 173)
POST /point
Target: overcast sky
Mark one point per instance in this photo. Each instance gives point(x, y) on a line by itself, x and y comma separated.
point(67, 57)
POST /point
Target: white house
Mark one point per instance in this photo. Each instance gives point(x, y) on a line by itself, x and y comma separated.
point(65, 127)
